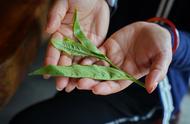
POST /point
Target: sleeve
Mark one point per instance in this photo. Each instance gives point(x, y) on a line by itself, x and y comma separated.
point(181, 58)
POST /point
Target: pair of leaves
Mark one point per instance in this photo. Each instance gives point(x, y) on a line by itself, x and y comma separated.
point(76, 49)
point(85, 49)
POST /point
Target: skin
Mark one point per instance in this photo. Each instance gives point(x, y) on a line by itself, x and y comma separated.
point(59, 25)
point(141, 49)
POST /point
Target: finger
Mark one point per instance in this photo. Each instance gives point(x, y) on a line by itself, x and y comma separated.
point(106, 88)
point(52, 54)
point(76, 59)
point(61, 82)
point(102, 63)
point(86, 83)
point(110, 87)
point(104, 25)
point(66, 30)
point(157, 72)
point(56, 15)
point(71, 85)
point(88, 61)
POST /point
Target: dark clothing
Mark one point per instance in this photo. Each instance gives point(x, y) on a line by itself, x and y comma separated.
point(82, 107)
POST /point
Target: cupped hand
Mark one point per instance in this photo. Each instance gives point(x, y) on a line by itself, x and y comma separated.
point(141, 49)
point(94, 19)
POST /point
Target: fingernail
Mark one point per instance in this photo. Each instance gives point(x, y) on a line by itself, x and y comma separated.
point(94, 91)
point(46, 76)
point(153, 88)
point(68, 90)
point(59, 89)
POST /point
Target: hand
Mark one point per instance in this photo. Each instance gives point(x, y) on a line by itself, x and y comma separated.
point(140, 49)
point(94, 19)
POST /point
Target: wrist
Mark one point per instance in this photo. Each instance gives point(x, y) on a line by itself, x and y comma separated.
point(171, 28)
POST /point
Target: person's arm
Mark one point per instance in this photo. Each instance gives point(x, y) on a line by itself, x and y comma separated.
point(181, 59)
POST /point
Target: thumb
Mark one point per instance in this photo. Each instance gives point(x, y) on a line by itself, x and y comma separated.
point(157, 72)
point(56, 15)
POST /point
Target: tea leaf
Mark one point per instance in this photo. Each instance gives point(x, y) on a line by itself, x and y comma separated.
point(71, 47)
point(81, 36)
point(86, 71)
point(76, 49)
point(84, 48)
point(86, 42)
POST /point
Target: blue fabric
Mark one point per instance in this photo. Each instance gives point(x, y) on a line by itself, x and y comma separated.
point(181, 59)
point(179, 71)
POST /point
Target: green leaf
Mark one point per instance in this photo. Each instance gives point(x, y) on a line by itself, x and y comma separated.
point(86, 42)
point(86, 71)
point(76, 49)
point(71, 47)
point(84, 48)
point(81, 36)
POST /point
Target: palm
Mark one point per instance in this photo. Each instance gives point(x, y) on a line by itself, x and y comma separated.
point(146, 46)
point(139, 49)
point(91, 13)
point(94, 20)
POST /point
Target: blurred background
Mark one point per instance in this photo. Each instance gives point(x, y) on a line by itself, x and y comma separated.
point(22, 43)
